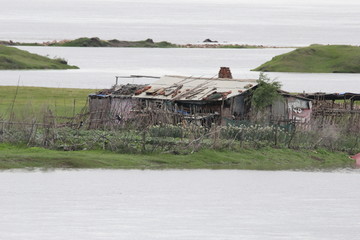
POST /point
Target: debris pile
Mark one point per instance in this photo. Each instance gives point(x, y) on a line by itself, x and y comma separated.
point(129, 89)
point(217, 95)
point(124, 90)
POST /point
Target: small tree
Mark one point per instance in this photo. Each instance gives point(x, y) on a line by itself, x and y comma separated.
point(266, 92)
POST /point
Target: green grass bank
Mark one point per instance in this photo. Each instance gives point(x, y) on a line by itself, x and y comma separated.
point(31, 101)
point(253, 159)
point(316, 59)
point(12, 58)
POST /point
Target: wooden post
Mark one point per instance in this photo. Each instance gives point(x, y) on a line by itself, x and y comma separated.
point(221, 112)
point(74, 107)
point(345, 103)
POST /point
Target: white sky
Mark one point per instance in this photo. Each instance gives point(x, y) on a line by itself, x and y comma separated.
point(287, 2)
point(267, 2)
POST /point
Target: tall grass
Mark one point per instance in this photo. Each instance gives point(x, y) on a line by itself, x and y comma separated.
point(176, 139)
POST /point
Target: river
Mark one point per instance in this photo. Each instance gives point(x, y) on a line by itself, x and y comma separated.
point(179, 204)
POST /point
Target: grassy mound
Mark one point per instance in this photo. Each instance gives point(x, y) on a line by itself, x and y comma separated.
point(316, 59)
point(13, 58)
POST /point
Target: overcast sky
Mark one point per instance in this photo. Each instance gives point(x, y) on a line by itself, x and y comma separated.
point(288, 2)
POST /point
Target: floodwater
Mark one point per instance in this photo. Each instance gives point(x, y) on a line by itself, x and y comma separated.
point(179, 204)
point(198, 204)
point(262, 22)
point(99, 66)
point(267, 22)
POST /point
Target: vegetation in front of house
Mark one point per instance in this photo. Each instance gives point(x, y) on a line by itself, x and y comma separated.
point(316, 59)
point(57, 135)
point(13, 58)
point(260, 159)
point(148, 43)
point(47, 143)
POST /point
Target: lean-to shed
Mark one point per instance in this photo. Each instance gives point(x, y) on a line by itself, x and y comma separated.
point(112, 105)
point(291, 108)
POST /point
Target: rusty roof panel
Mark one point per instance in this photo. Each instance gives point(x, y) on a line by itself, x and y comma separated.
point(180, 88)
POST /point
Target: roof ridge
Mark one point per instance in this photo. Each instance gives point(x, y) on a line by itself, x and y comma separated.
point(212, 79)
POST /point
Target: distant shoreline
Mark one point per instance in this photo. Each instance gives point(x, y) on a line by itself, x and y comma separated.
point(148, 43)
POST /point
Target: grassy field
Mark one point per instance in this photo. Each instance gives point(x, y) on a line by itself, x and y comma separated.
point(316, 59)
point(256, 159)
point(13, 58)
point(33, 100)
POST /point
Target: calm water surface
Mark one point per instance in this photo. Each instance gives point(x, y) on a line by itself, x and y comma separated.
point(199, 204)
point(268, 22)
point(118, 204)
point(98, 66)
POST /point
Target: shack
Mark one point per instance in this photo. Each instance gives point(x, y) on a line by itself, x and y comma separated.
point(199, 99)
point(112, 105)
point(335, 101)
point(174, 99)
point(341, 109)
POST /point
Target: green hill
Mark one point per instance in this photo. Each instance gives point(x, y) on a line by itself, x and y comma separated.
point(13, 58)
point(316, 59)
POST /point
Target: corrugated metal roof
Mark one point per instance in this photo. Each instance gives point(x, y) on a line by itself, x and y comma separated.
point(183, 88)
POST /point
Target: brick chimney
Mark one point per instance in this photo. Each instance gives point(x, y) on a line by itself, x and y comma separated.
point(225, 72)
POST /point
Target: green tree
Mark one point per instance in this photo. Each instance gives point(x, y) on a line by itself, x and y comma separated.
point(266, 92)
